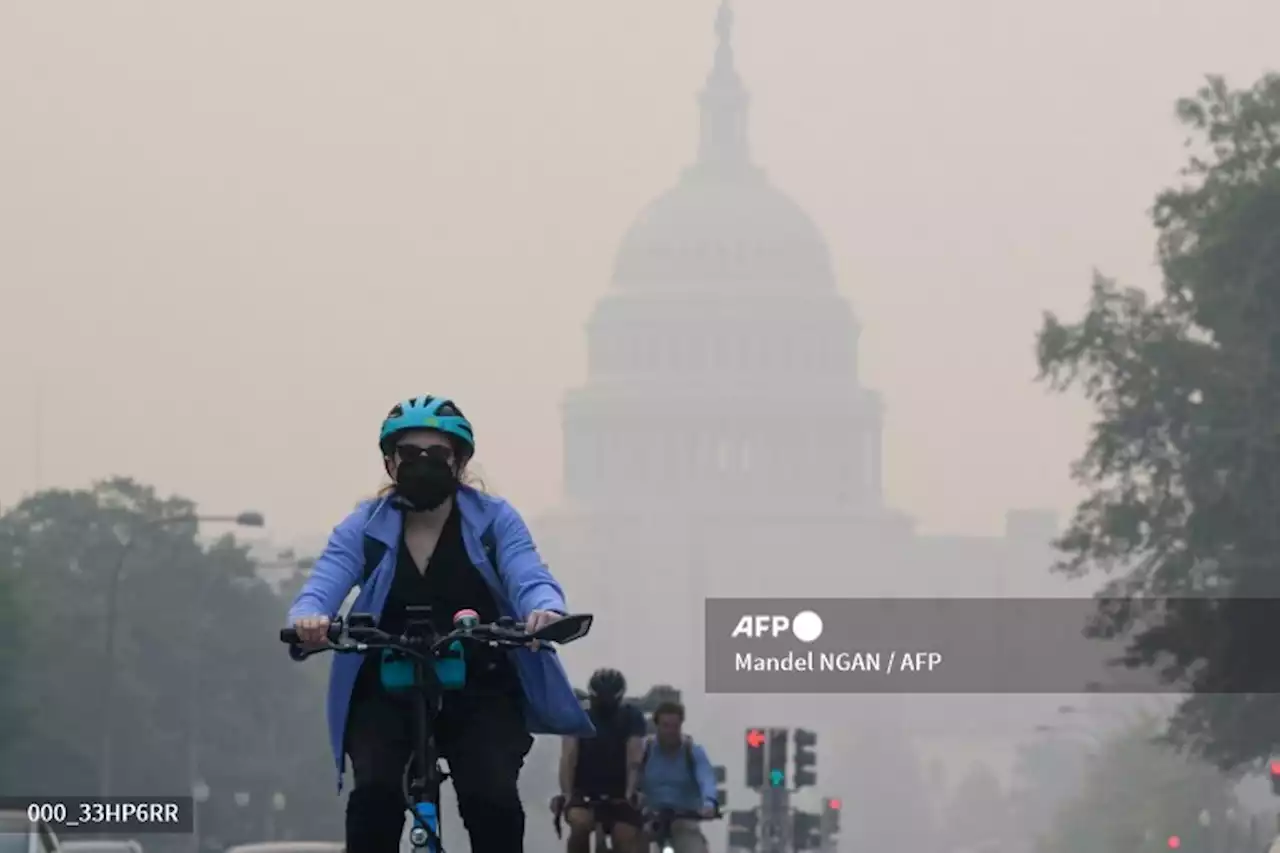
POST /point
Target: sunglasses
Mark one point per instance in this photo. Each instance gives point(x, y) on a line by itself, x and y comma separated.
point(410, 452)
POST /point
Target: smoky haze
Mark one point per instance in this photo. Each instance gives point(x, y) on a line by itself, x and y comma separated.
point(232, 234)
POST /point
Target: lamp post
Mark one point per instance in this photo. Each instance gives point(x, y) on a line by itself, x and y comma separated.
point(199, 796)
point(278, 803)
point(242, 800)
point(244, 519)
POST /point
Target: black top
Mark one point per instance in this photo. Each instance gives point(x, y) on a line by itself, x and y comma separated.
point(602, 759)
point(450, 583)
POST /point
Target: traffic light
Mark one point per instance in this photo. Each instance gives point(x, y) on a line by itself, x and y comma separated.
point(722, 796)
point(806, 759)
point(1274, 768)
point(806, 831)
point(756, 739)
point(1174, 842)
point(830, 817)
point(777, 758)
point(744, 829)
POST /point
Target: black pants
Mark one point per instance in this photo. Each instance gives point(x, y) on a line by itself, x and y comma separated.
point(484, 739)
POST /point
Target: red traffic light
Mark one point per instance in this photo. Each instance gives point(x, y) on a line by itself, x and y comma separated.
point(1275, 767)
point(835, 805)
point(1174, 842)
point(755, 738)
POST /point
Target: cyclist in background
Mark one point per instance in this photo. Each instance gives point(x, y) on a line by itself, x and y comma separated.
point(430, 540)
point(675, 773)
point(603, 768)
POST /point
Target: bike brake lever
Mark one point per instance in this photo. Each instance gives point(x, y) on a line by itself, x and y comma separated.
point(299, 653)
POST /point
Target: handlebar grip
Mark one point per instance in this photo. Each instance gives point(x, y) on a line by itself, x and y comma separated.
point(290, 635)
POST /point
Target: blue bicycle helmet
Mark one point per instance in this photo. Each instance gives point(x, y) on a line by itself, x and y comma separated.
point(437, 413)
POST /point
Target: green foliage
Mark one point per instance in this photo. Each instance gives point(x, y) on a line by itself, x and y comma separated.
point(13, 713)
point(978, 813)
point(203, 690)
point(1138, 792)
point(1047, 772)
point(883, 777)
point(1182, 466)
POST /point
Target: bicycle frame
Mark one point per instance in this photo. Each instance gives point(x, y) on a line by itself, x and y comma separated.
point(602, 834)
point(422, 772)
point(421, 645)
point(662, 822)
point(602, 837)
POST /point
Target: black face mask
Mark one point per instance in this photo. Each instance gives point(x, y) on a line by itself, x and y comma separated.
point(425, 482)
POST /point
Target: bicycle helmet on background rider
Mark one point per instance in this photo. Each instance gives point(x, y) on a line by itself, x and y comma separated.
point(435, 413)
point(606, 689)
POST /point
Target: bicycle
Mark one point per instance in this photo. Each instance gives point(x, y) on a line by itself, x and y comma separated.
point(660, 822)
point(424, 650)
point(602, 836)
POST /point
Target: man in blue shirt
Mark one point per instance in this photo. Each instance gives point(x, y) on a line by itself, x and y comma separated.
point(677, 774)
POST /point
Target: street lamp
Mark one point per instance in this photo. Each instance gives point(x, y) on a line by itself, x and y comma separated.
point(244, 519)
point(199, 795)
point(278, 802)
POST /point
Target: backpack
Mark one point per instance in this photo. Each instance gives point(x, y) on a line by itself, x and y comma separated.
point(374, 550)
point(688, 757)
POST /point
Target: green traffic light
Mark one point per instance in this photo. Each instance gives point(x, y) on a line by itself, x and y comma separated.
point(776, 778)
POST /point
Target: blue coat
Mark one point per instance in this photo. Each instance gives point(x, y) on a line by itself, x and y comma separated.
point(525, 585)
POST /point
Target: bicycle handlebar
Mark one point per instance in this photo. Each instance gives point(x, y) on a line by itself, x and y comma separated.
point(680, 814)
point(661, 821)
point(359, 634)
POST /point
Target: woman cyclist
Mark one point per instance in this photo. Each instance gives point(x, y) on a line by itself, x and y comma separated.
point(430, 540)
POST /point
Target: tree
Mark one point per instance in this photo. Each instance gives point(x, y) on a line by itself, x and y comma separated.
point(1137, 793)
point(887, 803)
point(977, 813)
point(13, 712)
point(1182, 465)
point(203, 690)
point(1047, 772)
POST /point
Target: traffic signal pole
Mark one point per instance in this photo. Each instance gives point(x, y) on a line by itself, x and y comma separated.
point(775, 805)
point(775, 821)
point(775, 827)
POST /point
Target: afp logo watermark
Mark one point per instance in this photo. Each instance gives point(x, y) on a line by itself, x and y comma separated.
point(805, 626)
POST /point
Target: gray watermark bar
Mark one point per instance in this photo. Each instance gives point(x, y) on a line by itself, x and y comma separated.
point(917, 645)
point(99, 815)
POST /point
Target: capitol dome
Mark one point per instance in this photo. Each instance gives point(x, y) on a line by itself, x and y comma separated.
point(724, 225)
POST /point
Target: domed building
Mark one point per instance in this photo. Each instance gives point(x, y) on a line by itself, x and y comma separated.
point(723, 363)
point(723, 444)
point(722, 405)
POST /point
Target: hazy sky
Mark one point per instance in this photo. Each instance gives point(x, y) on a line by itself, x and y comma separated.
point(233, 233)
